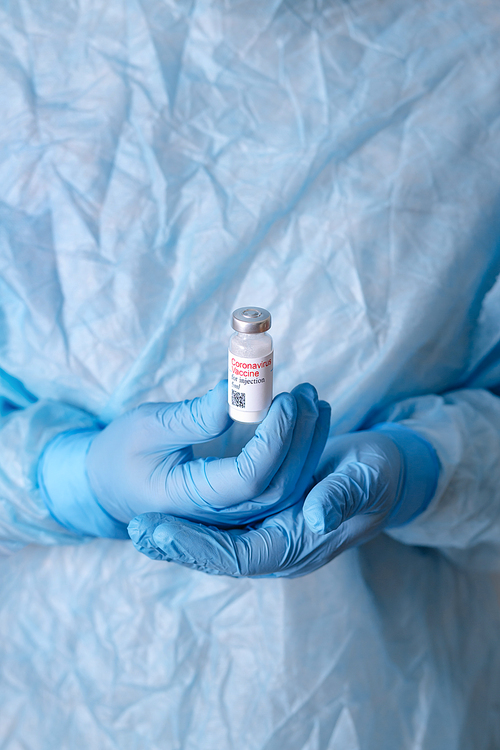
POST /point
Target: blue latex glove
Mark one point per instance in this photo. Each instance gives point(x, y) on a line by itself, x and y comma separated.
point(96, 481)
point(368, 481)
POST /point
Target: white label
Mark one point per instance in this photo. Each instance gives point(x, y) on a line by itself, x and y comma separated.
point(250, 382)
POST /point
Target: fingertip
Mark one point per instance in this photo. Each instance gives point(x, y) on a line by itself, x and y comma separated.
point(307, 401)
point(216, 417)
point(221, 386)
point(166, 537)
point(306, 390)
point(141, 531)
point(314, 519)
point(286, 403)
point(142, 525)
point(280, 421)
point(320, 514)
point(162, 535)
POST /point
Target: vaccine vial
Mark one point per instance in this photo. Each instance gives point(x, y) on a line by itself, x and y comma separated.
point(250, 365)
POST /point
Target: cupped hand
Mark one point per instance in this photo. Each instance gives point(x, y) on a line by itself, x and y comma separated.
point(368, 481)
point(143, 461)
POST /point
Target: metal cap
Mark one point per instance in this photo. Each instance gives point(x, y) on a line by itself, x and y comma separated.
point(251, 320)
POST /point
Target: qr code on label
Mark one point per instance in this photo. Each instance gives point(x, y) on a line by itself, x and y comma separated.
point(238, 399)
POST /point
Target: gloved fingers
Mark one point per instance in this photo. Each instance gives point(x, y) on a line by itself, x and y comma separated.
point(288, 474)
point(195, 421)
point(341, 495)
point(291, 482)
point(281, 546)
point(236, 552)
point(223, 482)
point(140, 530)
point(264, 454)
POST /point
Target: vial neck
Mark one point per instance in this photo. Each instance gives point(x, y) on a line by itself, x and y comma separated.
point(250, 336)
point(251, 344)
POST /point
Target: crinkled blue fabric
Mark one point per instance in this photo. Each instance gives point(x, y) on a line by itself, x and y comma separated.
point(161, 164)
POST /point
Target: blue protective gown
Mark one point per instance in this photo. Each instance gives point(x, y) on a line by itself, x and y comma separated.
point(162, 163)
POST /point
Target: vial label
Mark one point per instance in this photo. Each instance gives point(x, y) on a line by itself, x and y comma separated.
point(250, 382)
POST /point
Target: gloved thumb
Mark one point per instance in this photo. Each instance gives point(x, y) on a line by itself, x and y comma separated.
point(338, 497)
point(389, 470)
point(197, 420)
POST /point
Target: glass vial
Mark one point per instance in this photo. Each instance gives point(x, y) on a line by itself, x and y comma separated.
point(250, 365)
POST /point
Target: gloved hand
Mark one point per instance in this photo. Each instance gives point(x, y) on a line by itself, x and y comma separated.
point(367, 481)
point(96, 481)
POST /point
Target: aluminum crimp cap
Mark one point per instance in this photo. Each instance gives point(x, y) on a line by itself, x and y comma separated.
point(251, 320)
